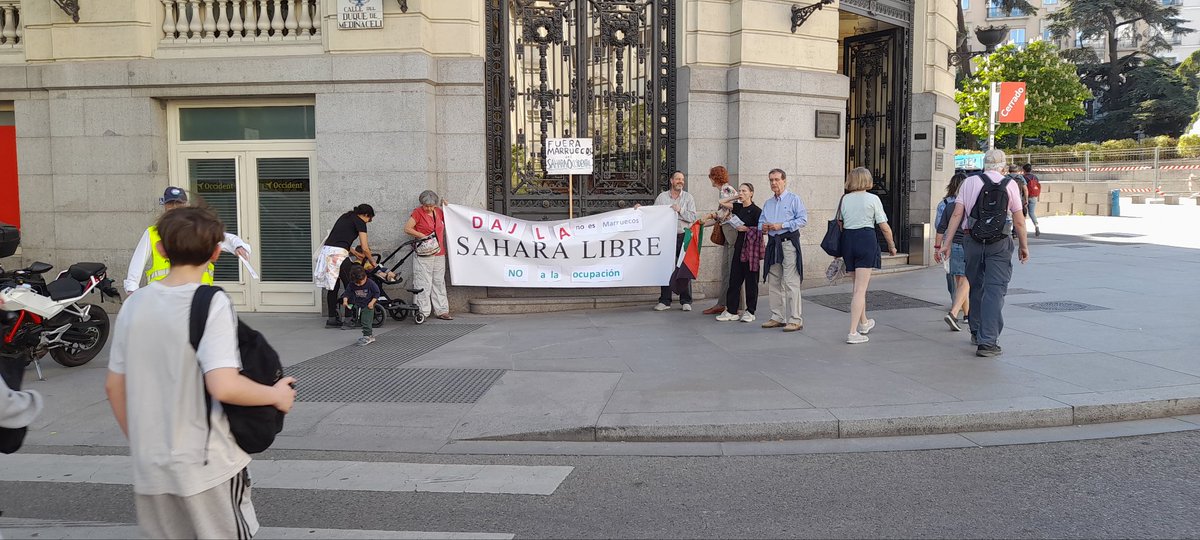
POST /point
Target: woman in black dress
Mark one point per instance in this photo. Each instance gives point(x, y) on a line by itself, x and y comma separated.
point(328, 273)
point(746, 257)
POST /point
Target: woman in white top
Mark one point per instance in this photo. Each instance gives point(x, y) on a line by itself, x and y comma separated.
point(860, 213)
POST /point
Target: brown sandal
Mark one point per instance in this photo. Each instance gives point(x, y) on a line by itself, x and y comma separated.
point(445, 317)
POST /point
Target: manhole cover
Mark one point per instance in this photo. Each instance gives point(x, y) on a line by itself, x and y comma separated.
point(1117, 235)
point(1062, 306)
point(1018, 290)
point(392, 349)
point(876, 301)
point(1074, 246)
point(410, 385)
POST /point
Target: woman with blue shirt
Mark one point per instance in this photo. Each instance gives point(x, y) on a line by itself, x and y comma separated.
point(956, 275)
point(860, 213)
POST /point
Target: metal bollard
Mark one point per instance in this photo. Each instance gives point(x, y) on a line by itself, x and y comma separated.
point(1116, 203)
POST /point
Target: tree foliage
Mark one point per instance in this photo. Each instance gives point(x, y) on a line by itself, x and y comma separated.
point(1024, 6)
point(1055, 94)
point(1146, 22)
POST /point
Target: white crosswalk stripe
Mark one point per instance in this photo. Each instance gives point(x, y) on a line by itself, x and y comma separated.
point(309, 474)
point(41, 529)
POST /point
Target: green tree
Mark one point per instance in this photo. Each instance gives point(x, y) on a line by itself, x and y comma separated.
point(1145, 23)
point(1055, 93)
point(961, 46)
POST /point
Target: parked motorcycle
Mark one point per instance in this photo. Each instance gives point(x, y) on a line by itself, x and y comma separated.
point(38, 317)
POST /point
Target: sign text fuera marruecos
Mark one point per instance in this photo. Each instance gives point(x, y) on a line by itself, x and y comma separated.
point(568, 156)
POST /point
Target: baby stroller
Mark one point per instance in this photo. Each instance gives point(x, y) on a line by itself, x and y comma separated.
point(386, 305)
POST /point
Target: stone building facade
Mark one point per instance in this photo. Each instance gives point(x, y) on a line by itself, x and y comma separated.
point(282, 121)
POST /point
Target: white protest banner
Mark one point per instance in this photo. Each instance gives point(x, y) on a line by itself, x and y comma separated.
point(623, 248)
point(568, 156)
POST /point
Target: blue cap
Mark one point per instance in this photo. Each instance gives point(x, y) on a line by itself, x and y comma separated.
point(173, 194)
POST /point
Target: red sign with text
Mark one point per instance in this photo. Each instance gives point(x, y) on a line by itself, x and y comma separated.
point(1013, 98)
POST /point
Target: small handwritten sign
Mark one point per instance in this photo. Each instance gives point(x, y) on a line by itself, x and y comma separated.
point(569, 156)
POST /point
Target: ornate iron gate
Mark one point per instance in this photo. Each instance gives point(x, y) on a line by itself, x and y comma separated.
point(603, 69)
point(878, 119)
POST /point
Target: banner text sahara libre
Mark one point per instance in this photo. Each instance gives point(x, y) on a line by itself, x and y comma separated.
point(623, 248)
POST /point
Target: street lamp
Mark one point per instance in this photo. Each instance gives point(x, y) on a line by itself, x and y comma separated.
point(988, 37)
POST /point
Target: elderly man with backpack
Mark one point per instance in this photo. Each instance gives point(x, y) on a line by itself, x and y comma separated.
point(982, 209)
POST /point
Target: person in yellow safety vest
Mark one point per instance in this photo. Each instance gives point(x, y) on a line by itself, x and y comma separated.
point(145, 253)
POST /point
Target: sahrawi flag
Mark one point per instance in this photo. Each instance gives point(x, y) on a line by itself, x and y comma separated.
point(689, 259)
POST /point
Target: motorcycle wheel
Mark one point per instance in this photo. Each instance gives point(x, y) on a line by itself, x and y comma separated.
point(97, 334)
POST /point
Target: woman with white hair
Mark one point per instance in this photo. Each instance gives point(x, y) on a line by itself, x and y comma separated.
point(860, 213)
point(429, 270)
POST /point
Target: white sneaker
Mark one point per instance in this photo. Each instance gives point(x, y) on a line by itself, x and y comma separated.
point(865, 329)
point(726, 316)
point(856, 338)
point(661, 307)
point(747, 317)
point(686, 307)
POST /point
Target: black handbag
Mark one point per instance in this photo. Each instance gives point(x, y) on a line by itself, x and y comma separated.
point(832, 243)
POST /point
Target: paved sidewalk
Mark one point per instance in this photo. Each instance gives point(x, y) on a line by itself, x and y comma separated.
point(631, 374)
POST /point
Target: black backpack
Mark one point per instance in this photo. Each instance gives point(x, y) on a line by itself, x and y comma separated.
point(947, 213)
point(990, 212)
point(254, 428)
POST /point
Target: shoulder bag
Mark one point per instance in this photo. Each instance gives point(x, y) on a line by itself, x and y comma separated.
point(832, 243)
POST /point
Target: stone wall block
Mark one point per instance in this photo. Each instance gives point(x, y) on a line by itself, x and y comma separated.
point(373, 152)
point(32, 117)
point(76, 230)
point(371, 67)
point(461, 153)
point(705, 119)
point(467, 189)
point(460, 71)
point(460, 114)
point(401, 110)
point(66, 117)
point(71, 193)
point(110, 117)
point(35, 192)
point(124, 193)
point(34, 156)
point(103, 155)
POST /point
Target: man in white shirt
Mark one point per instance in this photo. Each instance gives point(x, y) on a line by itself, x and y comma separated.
point(144, 254)
point(684, 206)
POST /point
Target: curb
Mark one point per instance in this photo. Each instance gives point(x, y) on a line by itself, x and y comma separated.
point(879, 421)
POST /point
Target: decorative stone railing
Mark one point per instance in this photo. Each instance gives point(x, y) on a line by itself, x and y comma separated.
point(10, 24)
point(239, 21)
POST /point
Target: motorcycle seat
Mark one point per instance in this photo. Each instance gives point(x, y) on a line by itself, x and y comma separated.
point(39, 268)
point(85, 271)
point(64, 288)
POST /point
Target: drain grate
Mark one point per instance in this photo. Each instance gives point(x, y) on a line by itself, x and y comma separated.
point(1074, 246)
point(410, 385)
point(876, 301)
point(1018, 290)
point(394, 348)
point(1062, 306)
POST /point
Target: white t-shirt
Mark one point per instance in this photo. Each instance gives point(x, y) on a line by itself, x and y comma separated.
point(862, 210)
point(165, 391)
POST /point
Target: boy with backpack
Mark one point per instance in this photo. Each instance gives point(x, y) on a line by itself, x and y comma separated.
point(189, 474)
point(363, 293)
point(982, 209)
